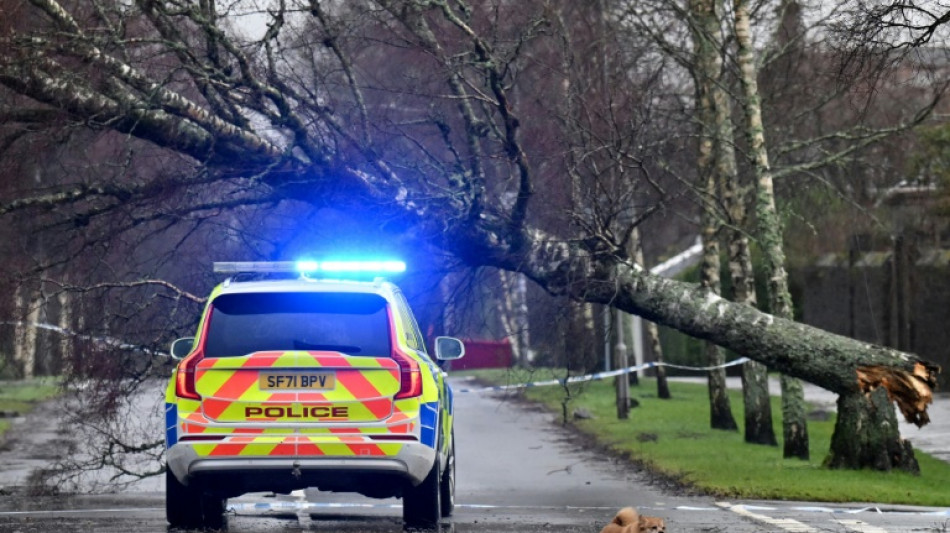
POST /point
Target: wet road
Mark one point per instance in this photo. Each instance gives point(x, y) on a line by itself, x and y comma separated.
point(144, 513)
point(517, 472)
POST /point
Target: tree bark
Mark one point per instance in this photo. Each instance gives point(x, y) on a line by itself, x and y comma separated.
point(508, 311)
point(619, 348)
point(25, 333)
point(705, 77)
point(662, 385)
point(831, 361)
point(720, 408)
point(759, 428)
point(867, 435)
point(755, 385)
point(794, 424)
point(652, 331)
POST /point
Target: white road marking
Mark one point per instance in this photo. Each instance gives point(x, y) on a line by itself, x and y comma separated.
point(862, 527)
point(787, 524)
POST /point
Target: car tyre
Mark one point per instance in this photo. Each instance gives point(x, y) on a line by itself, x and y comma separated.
point(189, 508)
point(421, 507)
point(447, 486)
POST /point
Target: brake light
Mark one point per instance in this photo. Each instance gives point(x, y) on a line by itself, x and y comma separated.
point(410, 380)
point(185, 381)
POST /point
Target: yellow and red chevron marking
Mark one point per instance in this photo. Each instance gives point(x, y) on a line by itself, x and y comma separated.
point(399, 429)
point(398, 423)
point(296, 445)
point(364, 384)
point(260, 446)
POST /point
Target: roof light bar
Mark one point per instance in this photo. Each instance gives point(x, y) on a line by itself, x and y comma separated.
point(247, 267)
point(369, 267)
point(310, 267)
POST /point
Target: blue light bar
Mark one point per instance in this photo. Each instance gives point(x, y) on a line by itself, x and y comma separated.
point(356, 267)
point(308, 266)
point(342, 268)
point(367, 267)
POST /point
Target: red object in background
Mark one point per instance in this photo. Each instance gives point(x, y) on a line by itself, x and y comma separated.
point(485, 354)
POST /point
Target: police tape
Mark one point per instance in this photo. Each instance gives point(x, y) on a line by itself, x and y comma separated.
point(599, 376)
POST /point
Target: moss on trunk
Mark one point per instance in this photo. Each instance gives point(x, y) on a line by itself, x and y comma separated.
point(867, 435)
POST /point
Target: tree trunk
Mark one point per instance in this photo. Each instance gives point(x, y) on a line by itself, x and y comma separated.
point(662, 386)
point(587, 343)
point(758, 405)
point(795, 429)
point(759, 427)
point(716, 118)
point(512, 312)
point(834, 362)
point(621, 382)
point(720, 408)
point(25, 332)
point(867, 435)
point(653, 332)
point(755, 384)
point(705, 74)
point(524, 335)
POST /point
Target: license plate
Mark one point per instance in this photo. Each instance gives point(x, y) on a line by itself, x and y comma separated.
point(297, 380)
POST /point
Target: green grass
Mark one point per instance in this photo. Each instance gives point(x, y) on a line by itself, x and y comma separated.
point(672, 437)
point(21, 396)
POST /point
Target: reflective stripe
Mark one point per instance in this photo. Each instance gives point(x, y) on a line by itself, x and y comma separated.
point(296, 445)
point(171, 424)
point(364, 387)
point(429, 418)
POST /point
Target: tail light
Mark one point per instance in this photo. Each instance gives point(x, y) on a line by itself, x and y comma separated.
point(185, 381)
point(410, 380)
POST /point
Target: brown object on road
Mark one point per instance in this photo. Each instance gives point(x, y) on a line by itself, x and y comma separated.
point(628, 520)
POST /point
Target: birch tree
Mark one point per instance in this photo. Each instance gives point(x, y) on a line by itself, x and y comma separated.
point(794, 424)
point(727, 211)
point(708, 59)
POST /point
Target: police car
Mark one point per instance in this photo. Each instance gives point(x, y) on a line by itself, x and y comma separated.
point(295, 380)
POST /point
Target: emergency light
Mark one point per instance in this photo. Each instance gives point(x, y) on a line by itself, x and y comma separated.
point(368, 267)
point(371, 267)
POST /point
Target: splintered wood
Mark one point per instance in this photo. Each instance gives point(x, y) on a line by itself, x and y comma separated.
point(913, 391)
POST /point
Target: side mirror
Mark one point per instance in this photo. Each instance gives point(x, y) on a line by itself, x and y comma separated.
point(182, 347)
point(448, 348)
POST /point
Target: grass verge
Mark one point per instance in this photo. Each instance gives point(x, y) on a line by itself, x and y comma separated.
point(18, 398)
point(672, 438)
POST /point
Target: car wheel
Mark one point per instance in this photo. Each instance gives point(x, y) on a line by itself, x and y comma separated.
point(212, 511)
point(447, 487)
point(188, 508)
point(420, 504)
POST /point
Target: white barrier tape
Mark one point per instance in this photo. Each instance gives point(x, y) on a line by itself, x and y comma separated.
point(598, 376)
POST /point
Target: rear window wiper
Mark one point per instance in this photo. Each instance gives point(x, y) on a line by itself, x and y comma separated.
point(344, 348)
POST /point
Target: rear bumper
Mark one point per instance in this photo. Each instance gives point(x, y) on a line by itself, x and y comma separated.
point(412, 462)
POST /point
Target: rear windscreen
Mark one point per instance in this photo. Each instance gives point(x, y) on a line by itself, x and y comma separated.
point(354, 324)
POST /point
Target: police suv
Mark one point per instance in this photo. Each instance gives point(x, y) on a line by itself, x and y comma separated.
point(295, 380)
